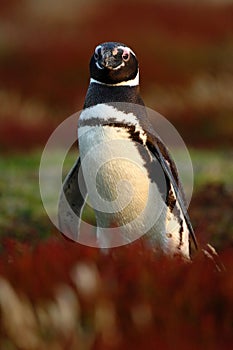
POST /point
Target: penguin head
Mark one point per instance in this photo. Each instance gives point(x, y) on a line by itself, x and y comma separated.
point(113, 63)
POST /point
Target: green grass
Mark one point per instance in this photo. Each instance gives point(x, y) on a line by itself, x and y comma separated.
point(212, 166)
point(21, 211)
point(22, 214)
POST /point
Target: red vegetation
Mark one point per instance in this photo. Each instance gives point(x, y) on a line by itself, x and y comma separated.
point(60, 292)
point(175, 43)
point(20, 136)
point(146, 302)
point(211, 213)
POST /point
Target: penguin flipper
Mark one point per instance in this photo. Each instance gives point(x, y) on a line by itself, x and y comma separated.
point(71, 202)
point(158, 149)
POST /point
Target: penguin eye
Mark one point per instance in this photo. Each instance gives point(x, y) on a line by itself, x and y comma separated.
point(125, 57)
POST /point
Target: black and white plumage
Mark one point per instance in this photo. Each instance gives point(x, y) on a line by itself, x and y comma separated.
point(124, 167)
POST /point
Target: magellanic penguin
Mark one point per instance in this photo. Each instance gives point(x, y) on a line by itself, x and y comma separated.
point(124, 168)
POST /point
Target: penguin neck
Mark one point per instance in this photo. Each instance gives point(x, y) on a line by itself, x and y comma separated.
point(99, 93)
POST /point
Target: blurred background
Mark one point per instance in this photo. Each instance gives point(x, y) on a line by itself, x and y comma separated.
point(185, 50)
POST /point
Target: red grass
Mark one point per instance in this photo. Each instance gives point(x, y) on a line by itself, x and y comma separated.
point(18, 137)
point(158, 302)
point(174, 42)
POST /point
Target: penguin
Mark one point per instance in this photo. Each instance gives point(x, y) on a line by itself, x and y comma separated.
point(124, 168)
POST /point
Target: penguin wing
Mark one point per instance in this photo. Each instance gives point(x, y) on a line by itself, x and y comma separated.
point(159, 150)
point(71, 202)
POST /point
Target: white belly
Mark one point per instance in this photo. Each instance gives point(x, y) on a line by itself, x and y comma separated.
point(127, 203)
point(118, 185)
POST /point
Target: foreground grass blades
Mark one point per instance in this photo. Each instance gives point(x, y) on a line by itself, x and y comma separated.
point(64, 295)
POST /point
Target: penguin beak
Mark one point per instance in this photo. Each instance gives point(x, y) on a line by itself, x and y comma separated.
point(108, 60)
